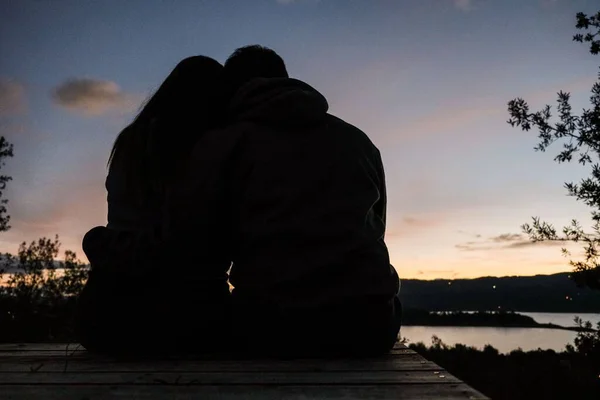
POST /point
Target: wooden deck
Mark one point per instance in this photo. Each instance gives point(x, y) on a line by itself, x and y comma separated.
point(55, 371)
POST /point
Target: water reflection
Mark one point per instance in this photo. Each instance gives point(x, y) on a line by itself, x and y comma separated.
point(504, 339)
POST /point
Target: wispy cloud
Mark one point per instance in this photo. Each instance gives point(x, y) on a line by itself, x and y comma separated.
point(505, 241)
point(286, 2)
point(463, 5)
point(410, 224)
point(529, 243)
point(432, 273)
point(473, 246)
point(70, 216)
point(475, 235)
point(420, 222)
point(548, 3)
point(12, 97)
point(451, 117)
point(93, 97)
point(507, 238)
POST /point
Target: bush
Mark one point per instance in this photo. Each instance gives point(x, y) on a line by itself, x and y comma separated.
point(38, 300)
point(540, 374)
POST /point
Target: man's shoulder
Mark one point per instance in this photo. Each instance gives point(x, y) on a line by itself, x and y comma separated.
point(346, 128)
point(338, 123)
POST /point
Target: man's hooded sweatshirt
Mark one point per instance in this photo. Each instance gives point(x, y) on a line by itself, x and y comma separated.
point(300, 198)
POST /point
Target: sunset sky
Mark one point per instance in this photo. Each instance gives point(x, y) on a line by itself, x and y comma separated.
point(427, 80)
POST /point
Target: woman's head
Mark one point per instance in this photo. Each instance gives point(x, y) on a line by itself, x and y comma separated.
point(190, 91)
point(190, 101)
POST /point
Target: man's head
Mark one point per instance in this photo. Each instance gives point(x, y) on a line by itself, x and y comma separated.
point(255, 61)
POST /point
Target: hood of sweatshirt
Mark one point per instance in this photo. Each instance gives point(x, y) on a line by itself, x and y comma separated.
point(278, 101)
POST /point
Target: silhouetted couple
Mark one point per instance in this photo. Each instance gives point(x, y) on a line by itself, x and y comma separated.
point(239, 172)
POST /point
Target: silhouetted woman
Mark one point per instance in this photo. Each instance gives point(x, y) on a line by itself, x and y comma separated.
point(150, 151)
point(123, 307)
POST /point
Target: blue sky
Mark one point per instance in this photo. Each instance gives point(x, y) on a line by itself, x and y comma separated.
point(427, 80)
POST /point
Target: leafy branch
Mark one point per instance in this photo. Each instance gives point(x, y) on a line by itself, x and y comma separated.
point(580, 139)
point(6, 150)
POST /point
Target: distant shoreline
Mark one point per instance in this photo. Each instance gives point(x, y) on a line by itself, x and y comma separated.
point(541, 326)
point(555, 293)
point(484, 319)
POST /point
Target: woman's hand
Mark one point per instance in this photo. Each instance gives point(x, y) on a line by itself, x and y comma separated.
point(126, 251)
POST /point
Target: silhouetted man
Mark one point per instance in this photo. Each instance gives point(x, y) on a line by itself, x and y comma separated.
point(308, 209)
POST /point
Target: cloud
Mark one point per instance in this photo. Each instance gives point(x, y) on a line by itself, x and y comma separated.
point(529, 243)
point(12, 97)
point(286, 2)
point(472, 246)
point(411, 225)
point(451, 118)
point(437, 271)
point(517, 240)
point(70, 218)
point(507, 237)
point(505, 241)
point(422, 222)
point(50, 205)
point(454, 117)
point(10, 265)
point(548, 3)
point(475, 235)
point(93, 97)
point(463, 5)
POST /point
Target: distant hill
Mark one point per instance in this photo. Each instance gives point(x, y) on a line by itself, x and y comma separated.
point(540, 293)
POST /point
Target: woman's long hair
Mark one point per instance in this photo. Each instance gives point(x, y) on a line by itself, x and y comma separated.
point(150, 150)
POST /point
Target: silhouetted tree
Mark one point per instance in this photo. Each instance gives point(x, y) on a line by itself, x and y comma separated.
point(538, 374)
point(587, 341)
point(580, 138)
point(6, 150)
point(37, 302)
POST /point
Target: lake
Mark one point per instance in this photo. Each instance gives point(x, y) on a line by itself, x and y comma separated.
point(504, 339)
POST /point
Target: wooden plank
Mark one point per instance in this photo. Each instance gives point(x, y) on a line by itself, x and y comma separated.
point(87, 357)
point(400, 352)
point(85, 354)
point(415, 363)
point(51, 348)
point(395, 392)
point(47, 354)
point(38, 371)
point(38, 346)
point(227, 378)
point(35, 346)
point(61, 347)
